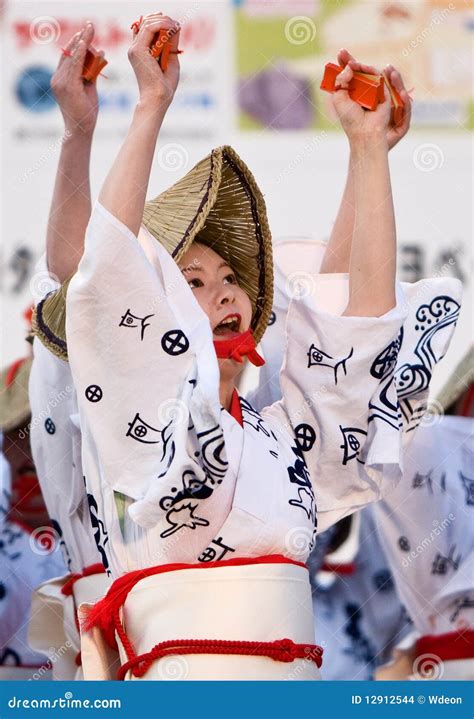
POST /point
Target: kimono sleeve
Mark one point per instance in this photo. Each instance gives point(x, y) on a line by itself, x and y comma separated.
point(55, 441)
point(138, 344)
point(352, 386)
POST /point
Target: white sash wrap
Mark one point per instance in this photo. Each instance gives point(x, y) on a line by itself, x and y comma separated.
point(52, 628)
point(254, 602)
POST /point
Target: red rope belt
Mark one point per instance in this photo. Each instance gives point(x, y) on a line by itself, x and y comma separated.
point(452, 645)
point(281, 650)
point(106, 616)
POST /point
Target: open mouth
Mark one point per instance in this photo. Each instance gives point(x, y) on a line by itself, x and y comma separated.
point(229, 327)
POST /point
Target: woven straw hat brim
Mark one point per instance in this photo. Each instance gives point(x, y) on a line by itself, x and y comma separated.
point(15, 403)
point(459, 381)
point(219, 204)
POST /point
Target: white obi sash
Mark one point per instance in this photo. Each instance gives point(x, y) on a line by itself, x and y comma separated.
point(54, 629)
point(253, 616)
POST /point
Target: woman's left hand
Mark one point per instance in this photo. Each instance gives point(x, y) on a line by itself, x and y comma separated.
point(393, 134)
point(357, 123)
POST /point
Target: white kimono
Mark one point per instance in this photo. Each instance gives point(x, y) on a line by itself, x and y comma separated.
point(173, 476)
point(426, 528)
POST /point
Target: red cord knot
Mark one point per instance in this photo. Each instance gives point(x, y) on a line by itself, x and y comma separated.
point(284, 650)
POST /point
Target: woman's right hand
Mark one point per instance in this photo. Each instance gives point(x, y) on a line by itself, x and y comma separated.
point(154, 85)
point(394, 134)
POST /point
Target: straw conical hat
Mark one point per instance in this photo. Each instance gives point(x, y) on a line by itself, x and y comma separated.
point(15, 404)
point(219, 204)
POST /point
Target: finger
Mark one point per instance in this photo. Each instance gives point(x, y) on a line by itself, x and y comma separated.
point(361, 67)
point(88, 35)
point(149, 28)
point(155, 16)
point(344, 56)
point(78, 59)
point(406, 110)
point(153, 25)
point(344, 78)
point(135, 27)
point(67, 51)
point(396, 79)
point(99, 53)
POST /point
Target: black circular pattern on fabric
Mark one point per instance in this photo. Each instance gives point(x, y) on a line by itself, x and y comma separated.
point(175, 342)
point(94, 393)
point(49, 426)
point(383, 580)
point(305, 437)
point(404, 544)
point(272, 319)
point(3, 591)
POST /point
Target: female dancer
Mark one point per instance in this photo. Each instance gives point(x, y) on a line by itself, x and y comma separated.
point(200, 496)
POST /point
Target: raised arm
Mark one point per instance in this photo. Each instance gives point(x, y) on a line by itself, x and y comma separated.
point(338, 250)
point(124, 190)
point(372, 264)
point(71, 204)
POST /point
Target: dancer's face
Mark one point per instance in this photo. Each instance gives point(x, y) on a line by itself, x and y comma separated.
point(215, 287)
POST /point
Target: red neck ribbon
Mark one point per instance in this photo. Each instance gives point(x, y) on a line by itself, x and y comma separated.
point(236, 409)
point(243, 345)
